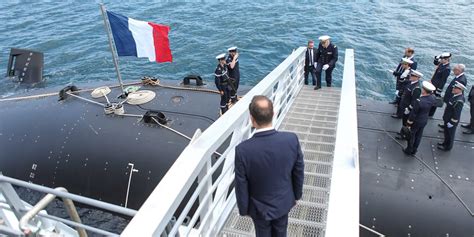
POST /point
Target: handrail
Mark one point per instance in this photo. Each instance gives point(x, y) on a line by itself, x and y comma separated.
point(281, 86)
point(71, 209)
point(74, 197)
point(343, 210)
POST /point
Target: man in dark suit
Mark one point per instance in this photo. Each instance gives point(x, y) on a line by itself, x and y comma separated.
point(470, 126)
point(451, 116)
point(418, 117)
point(310, 63)
point(269, 172)
point(326, 58)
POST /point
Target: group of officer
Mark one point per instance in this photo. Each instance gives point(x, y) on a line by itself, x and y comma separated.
point(227, 78)
point(416, 102)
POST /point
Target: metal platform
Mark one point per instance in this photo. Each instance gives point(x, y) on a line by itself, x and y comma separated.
point(313, 117)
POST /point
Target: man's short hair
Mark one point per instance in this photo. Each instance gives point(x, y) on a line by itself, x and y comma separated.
point(262, 113)
point(310, 41)
point(410, 50)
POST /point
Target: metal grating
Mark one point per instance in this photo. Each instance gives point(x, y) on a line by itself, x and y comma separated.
point(313, 117)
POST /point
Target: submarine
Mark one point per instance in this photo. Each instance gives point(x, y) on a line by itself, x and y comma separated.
point(94, 142)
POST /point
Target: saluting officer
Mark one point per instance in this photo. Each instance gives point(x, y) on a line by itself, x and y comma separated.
point(410, 93)
point(470, 126)
point(326, 58)
point(440, 76)
point(234, 72)
point(418, 117)
point(222, 82)
point(458, 71)
point(451, 116)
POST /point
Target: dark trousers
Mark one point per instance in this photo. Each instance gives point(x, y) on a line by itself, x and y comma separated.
point(273, 228)
point(448, 136)
point(472, 116)
point(233, 92)
point(310, 70)
point(433, 109)
point(224, 100)
point(415, 138)
point(319, 70)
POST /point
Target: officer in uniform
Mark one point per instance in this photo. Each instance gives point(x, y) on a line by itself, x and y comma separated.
point(459, 76)
point(403, 79)
point(470, 126)
point(408, 57)
point(451, 116)
point(310, 63)
point(418, 117)
point(234, 72)
point(326, 58)
point(222, 82)
point(440, 76)
point(410, 93)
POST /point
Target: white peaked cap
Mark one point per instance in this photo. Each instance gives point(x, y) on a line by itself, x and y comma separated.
point(460, 85)
point(324, 37)
point(232, 48)
point(428, 86)
point(220, 56)
point(407, 60)
point(445, 55)
point(416, 73)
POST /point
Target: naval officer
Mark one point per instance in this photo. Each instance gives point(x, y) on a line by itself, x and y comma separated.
point(222, 82)
point(410, 93)
point(234, 72)
point(399, 72)
point(440, 76)
point(458, 71)
point(418, 117)
point(451, 116)
point(326, 58)
point(310, 63)
point(403, 79)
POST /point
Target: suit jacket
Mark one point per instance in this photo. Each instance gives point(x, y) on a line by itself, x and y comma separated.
point(269, 173)
point(306, 59)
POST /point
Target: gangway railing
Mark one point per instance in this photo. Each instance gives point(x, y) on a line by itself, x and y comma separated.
point(15, 205)
point(197, 189)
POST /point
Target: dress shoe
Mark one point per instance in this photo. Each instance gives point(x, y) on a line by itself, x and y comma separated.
point(440, 125)
point(395, 116)
point(468, 132)
point(399, 137)
point(466, 125)
point(317, 87)
point(441, 131)
point(440, 143)
point(407, 152)
point(443, 148)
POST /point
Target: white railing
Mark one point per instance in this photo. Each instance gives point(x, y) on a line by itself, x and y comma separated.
point(207, 205)
point(343, 211)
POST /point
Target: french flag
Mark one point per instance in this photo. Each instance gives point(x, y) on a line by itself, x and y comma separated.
point(140, 38)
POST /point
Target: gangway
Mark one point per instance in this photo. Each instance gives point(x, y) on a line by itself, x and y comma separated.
point(196, 196)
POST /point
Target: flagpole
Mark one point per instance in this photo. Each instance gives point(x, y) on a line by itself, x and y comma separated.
point(112, 48)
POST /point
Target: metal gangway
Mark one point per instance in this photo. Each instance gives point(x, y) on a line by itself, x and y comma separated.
point(196, 196)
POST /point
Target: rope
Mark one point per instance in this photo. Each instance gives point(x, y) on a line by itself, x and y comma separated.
point(426, 165)
point(85, 99)
point(152, 81)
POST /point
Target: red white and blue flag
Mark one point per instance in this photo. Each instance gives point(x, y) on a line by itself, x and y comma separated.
point(140, 38)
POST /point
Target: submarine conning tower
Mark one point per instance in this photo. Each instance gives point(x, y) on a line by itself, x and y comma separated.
point(25, 66)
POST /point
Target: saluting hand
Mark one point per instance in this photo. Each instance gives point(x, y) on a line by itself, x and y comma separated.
point(221, 92)
point(236, 56)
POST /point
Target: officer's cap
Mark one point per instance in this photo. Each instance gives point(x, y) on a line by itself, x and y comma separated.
point(428, 86)
point(445, 55)
point(416, 73)
point(232, 48)
point(324, 37)
point(460, 85)
point(406, 60)
point(220, 56)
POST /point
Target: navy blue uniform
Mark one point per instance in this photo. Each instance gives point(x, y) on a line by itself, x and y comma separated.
point(410, 93)
point(234, 73)
point(222, 83)
point(470, 98)
point(309, 60)
point(326, 56)
point(417, 120)
point(439, 80)
point(449, 91)
point(452, 115)
point(399, 71)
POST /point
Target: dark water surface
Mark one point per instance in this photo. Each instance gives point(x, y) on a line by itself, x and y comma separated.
point(72, 36)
